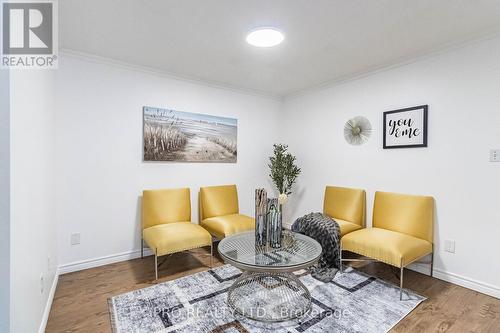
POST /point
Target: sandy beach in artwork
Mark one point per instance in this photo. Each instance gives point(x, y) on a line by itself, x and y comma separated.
point(188, 137)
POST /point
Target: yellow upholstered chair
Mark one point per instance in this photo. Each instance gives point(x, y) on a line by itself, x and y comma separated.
point(402, 231)
point(219, 211)
point(347, 206)
point(166, 224)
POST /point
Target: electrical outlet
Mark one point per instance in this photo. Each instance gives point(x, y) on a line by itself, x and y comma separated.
point(75, 239)
point(41, 283)
point(48, 263)
point(495, 155)
point(449, 246)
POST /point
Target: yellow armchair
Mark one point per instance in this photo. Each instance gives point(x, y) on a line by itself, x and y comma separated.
point(347, 206)
point(219, 211)
point(402, 231)
point(166, 223)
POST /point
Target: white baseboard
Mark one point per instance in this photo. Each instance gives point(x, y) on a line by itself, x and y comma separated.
point(469, 283)
point(423, 268)
point(420, 268)
point(463, 281)
point(101, 261)
point(48, 305)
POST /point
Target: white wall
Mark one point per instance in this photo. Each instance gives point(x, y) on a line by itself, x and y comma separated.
point(462, 90)
point(100, 173)
point(33, 226)
point(4, 200)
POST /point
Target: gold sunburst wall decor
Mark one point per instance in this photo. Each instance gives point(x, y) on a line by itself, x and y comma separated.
point(357, 130)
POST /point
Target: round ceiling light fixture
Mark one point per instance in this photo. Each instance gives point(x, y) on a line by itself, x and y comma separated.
point(265, 37)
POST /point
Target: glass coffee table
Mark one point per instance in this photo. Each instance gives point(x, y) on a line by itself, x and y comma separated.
point(267, 289)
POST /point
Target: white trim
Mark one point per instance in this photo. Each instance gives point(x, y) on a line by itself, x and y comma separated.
point(289, 95)
point(423, 268)
point(469, 283)
point(395, 64)
point(158, 72)
point(101, 261)
point(463, 281)
point(420, 268)
point(48, 305)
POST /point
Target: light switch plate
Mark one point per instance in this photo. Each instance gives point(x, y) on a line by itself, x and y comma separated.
point(75, 239)
point(449, 246)
point(495, 155)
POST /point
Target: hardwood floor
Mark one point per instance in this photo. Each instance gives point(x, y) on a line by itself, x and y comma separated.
point(80, 302)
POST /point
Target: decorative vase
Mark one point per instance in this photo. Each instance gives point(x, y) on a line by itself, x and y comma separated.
point(260, 217)
point(274, 222)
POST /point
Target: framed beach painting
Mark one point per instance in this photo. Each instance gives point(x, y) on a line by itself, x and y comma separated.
point(406, 128)
point(170, 135)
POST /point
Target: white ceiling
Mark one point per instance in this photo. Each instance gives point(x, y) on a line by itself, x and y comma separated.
point(326, 40)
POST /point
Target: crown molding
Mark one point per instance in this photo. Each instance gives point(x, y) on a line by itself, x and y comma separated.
point(443, 49)
point(88, 57)
point(447, 48)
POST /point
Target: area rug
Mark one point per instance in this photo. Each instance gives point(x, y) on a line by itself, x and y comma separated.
point(352, 302)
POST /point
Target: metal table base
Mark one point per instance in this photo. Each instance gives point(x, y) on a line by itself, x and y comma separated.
point(269, 297)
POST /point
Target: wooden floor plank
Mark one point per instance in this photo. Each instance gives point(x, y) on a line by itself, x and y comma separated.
point(80, 301)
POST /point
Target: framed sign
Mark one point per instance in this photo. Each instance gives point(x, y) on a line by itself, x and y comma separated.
point(406, 128)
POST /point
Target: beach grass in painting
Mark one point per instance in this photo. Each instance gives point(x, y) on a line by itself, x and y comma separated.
point(171, 135)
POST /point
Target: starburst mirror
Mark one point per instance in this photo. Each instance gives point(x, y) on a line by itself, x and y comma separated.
point(357, 130)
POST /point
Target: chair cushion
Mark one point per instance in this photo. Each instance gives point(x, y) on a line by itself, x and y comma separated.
point(226, 225)
point(387, 246)
point(165, 206)
point(408, 214)
point(175, 237)
point(346, 226)
point(347, 204)
point(218, 201)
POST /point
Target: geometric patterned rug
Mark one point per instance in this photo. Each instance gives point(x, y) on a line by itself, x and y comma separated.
point(351, 302)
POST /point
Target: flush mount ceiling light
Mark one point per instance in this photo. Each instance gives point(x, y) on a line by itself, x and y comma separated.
point(265, 37)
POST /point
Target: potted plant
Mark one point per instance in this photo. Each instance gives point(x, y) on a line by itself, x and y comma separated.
point(283, 171)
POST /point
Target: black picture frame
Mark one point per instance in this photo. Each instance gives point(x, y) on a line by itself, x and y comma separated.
point(425, 111)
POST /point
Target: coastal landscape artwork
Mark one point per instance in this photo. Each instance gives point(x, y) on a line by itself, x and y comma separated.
point(170, 135)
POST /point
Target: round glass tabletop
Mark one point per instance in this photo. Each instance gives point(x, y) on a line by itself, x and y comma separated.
point(297, 251)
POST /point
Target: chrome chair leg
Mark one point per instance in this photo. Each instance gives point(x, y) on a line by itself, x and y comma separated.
point(142, 248)
point(401, 283)
point(211, 255)
point(340, 266)
point(156, 265)
point(432, 262)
